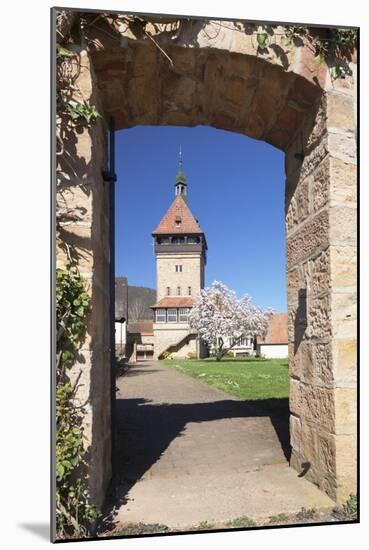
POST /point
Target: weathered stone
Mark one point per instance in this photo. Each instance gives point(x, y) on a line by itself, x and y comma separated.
point(346, 469)
point(291, 215)
point(342, 224)
point(343, 266)
point(314, 157)
point(344, 315)
point(342, 146)
point(312, 236)
point(294, 284)
point(295, 431)
point(309, 443)
point(303, 199)
point(321, 184)
point(340, 111)
point(315, 126)
point(294, 367)
point(319, 314)
point(345, 362)
point(327, 454)
point(345, 406)
point(320, 273)
point(308, 367)
point(343, 182)
point(323, 363)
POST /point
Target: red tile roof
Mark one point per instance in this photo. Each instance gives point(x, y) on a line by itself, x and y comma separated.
point(277, 330)
point(178, 211)
point(178, 301)
point(141, 327)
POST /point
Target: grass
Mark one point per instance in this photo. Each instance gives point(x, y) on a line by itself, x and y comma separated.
point(242, 521)
point(204, 526)
point(247, 378)
point(141, 529)
point(279, 518)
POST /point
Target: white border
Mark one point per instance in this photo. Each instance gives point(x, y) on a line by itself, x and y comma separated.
point(24, 220)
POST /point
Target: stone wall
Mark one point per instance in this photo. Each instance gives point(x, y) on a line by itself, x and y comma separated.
point(82, 189)
point(321, 285)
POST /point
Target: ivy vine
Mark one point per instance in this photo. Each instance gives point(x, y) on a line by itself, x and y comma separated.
point(334, 47)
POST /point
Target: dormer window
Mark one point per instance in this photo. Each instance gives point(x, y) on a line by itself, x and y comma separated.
point(178, 221)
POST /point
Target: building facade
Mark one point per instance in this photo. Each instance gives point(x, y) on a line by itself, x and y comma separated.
point(275, 343)
point(180, 250)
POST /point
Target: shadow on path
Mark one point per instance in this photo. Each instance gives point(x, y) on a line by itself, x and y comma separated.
point(145, 430)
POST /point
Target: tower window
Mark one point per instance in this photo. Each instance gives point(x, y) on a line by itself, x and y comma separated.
point(178, 269)
point(178, 290)
point(183, 314)
point(171, 315)
point(168, 290)
point(178, 221)
point(189, 291)
point(160, 316)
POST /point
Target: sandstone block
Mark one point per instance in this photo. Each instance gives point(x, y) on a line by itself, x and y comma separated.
point(303, 199)
point(343, 177)
point(295, 432)
point(343, 266)
point(344, 315)
point(345, 405)
point(342, 224)
point(340, 111)
point(305, 241)
point(319, 315)
point(345, 362)
point(346, 460)
point(323, 363)
point(319, 269)
point(321, 184)
point(327, 454)
point(342, 146)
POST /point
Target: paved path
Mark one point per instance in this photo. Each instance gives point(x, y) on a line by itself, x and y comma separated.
point(188, 453)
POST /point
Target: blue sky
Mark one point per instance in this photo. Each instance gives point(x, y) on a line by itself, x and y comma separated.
point(235, 189)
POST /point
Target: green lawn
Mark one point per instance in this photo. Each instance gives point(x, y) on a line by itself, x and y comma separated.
point(247, 378)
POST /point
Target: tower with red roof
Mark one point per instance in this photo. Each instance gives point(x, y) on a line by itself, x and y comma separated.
point(180, 250)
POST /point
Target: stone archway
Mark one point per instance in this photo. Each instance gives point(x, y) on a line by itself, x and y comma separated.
point(213, 73)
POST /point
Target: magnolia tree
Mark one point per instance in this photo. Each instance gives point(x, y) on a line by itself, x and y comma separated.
point(221, 319)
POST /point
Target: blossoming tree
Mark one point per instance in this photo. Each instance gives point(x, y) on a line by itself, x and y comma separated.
point(219, 317)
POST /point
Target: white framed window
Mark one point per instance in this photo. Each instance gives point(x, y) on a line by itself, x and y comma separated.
point(160, 315)
point(183, 314)
point(171, 315)
point(178, 268)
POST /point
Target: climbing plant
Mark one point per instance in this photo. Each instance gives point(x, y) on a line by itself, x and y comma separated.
point(334, 45)
point(73, 509)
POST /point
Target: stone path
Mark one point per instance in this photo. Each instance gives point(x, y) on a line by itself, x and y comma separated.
point(188, 453)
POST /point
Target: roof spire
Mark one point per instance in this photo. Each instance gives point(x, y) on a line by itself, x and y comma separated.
point(181, 185)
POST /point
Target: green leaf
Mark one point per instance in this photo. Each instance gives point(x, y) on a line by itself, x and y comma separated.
point(286, 40)
point(63, 52)
point(262, 39)
point(318, 60)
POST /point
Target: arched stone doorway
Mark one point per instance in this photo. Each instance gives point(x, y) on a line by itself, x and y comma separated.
point(187, 72)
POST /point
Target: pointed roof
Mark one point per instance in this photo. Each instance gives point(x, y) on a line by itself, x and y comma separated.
point(180, 177)
point(178, 211)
